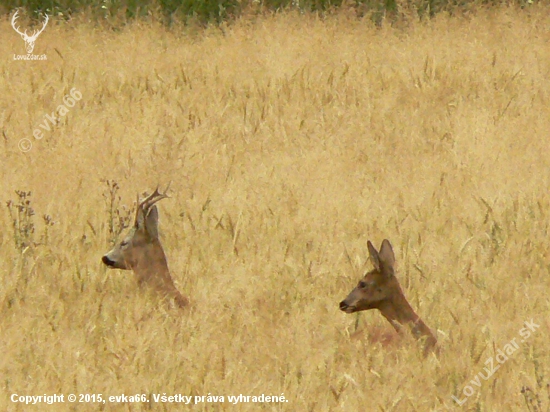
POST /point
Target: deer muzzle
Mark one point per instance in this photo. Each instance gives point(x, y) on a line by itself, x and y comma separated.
point(345, 307)
point(105, 259)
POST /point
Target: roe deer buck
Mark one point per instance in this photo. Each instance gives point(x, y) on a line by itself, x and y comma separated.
point(380, 289)
point(142, 252)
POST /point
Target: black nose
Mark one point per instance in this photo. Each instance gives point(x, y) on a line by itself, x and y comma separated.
point(343, 305)
point(107, 261)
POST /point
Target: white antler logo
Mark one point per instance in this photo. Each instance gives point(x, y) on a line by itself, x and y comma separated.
point(29, 40)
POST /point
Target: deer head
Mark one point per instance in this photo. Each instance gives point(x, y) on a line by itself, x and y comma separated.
point(134, 250)
point(29, 40)
point(142, 252)
point(380, 289)
point(377, 286)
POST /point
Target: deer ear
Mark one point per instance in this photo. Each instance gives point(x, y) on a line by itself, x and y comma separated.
point(375, 259)
point(151, 222)
point(387, 258)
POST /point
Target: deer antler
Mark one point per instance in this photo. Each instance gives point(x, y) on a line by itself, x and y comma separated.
point(13, 19)
point(154, 198)
point(36, 33)
point(29, 40)
point(145, 205)
point(25, 35)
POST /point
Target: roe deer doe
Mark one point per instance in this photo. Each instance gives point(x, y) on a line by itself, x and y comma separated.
point(142, 252)
point(380, 289)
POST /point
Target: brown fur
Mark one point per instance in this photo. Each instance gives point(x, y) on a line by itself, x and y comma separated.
point(380, 289)
point(142, 252)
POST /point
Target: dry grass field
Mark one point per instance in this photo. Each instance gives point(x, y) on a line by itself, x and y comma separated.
point(290, 141)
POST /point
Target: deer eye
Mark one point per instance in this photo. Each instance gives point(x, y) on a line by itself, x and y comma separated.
point(362, 285)
point(124, 243)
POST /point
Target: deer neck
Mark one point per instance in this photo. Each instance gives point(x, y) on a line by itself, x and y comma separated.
point(153, 266)
point(154, 271)
point(398, 311)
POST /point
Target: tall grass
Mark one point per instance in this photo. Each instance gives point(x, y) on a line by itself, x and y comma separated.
point(171, 12)
point(290, 141)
